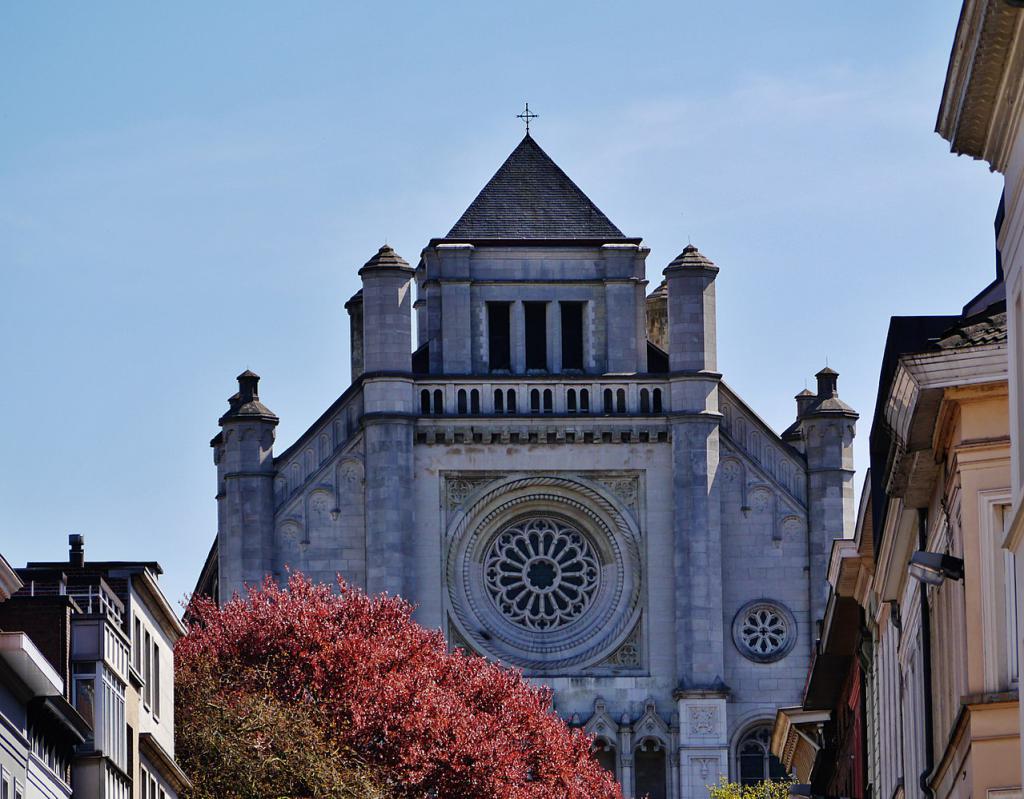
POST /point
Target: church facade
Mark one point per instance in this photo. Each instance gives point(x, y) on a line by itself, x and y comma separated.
point(559, 479)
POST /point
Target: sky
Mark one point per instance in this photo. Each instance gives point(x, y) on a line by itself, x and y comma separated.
point(188, 190)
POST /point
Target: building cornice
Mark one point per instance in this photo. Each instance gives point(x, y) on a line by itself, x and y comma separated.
point(980, 111)
point(159, 757)
point(10, 583)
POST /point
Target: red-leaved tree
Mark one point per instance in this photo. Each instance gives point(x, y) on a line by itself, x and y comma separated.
point(381, 693)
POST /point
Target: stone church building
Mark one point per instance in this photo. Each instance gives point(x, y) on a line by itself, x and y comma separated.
point(559, 479)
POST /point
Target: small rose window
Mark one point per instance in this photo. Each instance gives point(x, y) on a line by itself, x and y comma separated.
point(764, 631)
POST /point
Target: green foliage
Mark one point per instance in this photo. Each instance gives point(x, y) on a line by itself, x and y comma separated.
point(763, 790)
point(250, 745)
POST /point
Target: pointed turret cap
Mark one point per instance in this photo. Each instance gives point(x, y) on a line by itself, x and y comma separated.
point(691, 258)
point(386, 258)
point(531, 199)
point(246, 402)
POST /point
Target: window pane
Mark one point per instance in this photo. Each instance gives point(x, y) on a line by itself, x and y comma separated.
point(650, 773)
point(499, 337)
point(572, 335)
point(536, 334)
point(156, 679)
point(606, 758)
point(751, 768)
point(147, 670)
point(85, 698)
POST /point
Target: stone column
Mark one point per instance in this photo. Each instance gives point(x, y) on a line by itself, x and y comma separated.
point(554, 325)
point(626, 778)
point(517, 332)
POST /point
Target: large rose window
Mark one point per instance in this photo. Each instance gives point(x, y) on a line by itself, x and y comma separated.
point(541, 573)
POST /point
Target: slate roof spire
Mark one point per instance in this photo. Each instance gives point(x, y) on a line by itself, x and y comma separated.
point(530, 198)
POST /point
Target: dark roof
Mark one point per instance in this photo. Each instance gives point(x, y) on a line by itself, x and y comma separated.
point(246, 401)
point(531, 198)
point(907, 334)
point(692, 258)
point(385, 258)
point(987, 327)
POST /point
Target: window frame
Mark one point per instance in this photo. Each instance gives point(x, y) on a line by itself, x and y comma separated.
point(579, 335)
point(535, 336)
point(495, 342)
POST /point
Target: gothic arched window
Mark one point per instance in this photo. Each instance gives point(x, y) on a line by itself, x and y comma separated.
point(651, 773)
point(604, 752)
point(755, 762)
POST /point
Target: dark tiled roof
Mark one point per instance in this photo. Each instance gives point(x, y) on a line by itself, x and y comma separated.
point(692, 258)
point(987, 327)
point(385, 257)
point(659, 293)
point(246, 401)
point(531, 198)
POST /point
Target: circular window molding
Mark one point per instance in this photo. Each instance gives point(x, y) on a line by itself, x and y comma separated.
point(764, 631)
point(544, 572)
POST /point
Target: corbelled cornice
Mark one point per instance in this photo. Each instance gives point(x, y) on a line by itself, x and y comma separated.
point(980, 110)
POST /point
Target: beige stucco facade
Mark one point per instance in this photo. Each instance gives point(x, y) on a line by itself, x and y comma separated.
point(916, 679)
point(981, 116)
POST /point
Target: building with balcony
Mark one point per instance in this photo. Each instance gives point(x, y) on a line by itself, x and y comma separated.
point(108, 632)
point(39, 729)
point(559, 478)
point(913, 687)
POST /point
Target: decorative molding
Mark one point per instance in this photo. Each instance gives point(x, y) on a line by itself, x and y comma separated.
point(457, 640)
point(457, 488)
point(629, 655)
point(705, 765)
point(625, 489)
point(703, 721)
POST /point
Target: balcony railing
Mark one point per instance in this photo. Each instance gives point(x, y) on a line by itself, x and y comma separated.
point(575, 398)
point(94, 599)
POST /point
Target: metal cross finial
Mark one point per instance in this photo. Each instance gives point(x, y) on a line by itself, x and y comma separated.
point(526, 116)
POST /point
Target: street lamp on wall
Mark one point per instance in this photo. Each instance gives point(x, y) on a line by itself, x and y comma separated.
point(932, 568)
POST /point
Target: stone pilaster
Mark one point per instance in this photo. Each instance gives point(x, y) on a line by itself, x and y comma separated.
point(703, 742)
